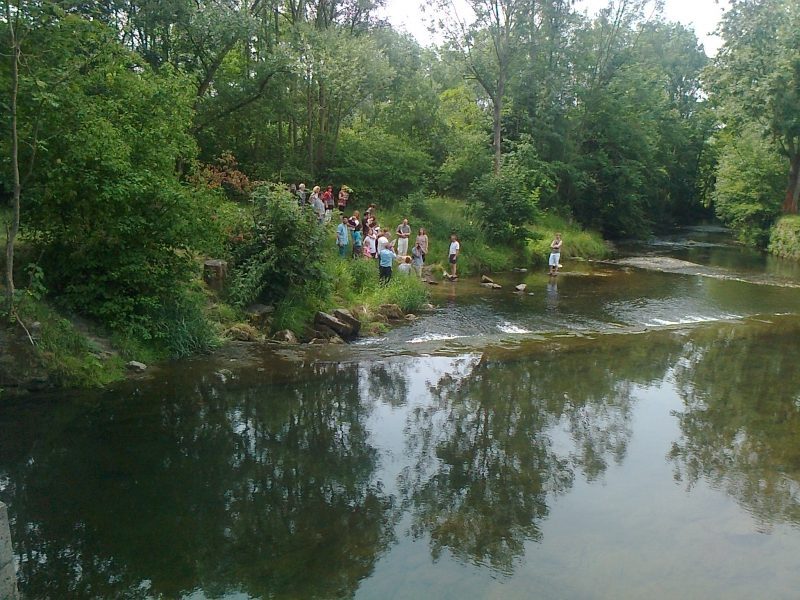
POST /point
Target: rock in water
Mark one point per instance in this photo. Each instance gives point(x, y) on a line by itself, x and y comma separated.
point(345, 316)
point(136, 366)
point(341, 328)
point(259, 315)
point(391, 312)
point(521, 287)
point(485, 279)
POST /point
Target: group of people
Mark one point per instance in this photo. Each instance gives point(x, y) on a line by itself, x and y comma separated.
point(321, 202)
point(365, 238)
point(359, 237)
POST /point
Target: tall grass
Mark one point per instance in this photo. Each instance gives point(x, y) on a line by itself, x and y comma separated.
point(578, 243)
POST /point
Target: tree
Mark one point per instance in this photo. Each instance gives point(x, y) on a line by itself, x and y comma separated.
point(487, 45)
point(756, 78)
point(13, 25)
point(750, 177)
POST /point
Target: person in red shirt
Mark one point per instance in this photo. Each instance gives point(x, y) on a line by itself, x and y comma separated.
point(344, 196)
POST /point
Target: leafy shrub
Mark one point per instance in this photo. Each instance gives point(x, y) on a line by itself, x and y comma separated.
point(284, 251)
point(375, 161)
point(408, 292)
point(116, 229)
point(505, 205)
point(750, 181)
point(784, 238)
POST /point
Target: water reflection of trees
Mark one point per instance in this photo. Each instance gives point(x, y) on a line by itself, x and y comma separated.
point(740, 423)
point(487, 449)
point(273, 495)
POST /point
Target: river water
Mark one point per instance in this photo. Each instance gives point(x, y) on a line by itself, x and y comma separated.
point(619, 432)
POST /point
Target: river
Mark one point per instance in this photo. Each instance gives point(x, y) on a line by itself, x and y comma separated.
point(629, 429)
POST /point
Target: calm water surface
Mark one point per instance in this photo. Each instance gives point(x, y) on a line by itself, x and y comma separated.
point(620, 433)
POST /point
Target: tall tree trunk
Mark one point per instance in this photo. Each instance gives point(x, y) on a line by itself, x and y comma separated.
point(310, 123)
point(793, 187)
point(497, 103)
point(12, 228)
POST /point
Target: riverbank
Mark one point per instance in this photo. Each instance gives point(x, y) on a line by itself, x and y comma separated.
point(46, 347)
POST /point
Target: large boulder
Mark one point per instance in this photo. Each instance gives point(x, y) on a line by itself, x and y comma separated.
point(345, 316)
point(392, 312)
point(342, 329)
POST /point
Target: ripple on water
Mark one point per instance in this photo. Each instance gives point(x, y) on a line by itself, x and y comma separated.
point(508, 327)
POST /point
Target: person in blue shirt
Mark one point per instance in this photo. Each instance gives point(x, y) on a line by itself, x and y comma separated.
point(343, 237)
point(385, 257)
point(358, 243)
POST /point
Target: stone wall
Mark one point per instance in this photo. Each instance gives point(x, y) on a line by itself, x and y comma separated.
point(8, 579)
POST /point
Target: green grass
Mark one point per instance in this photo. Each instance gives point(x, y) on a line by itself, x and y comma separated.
point(71, 359)
point(442, 216)
point(578, 243)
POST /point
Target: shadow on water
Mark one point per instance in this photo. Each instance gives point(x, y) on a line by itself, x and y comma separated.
point(277, 485)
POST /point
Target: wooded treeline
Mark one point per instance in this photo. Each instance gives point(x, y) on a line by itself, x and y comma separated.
point(125, 118)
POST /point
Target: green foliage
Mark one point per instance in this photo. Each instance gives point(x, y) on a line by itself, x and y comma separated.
point(578, 243)
point(506, 202)
point(408, 292)
point(374, 161)
point(283, 254)
point(467, 144)
point(755, 82)
point(70, 358)
point(114, 227)
point(748, 193)
point(784, 239)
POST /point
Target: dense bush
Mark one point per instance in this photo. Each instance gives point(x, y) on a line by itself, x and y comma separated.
point(379, 165)
point(784, 239)
point(284, 252)
point(115, 227)
point(751, 179)
point(505, 205)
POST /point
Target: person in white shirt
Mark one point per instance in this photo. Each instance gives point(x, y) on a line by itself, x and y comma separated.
point(555, 255)
point(383, 239)
point(405, 266)
point(455, 249)
point(371, 244)
point(403, 233)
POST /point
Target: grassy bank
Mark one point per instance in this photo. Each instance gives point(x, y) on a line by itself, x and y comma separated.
point(77, 353)
point(443, 216)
